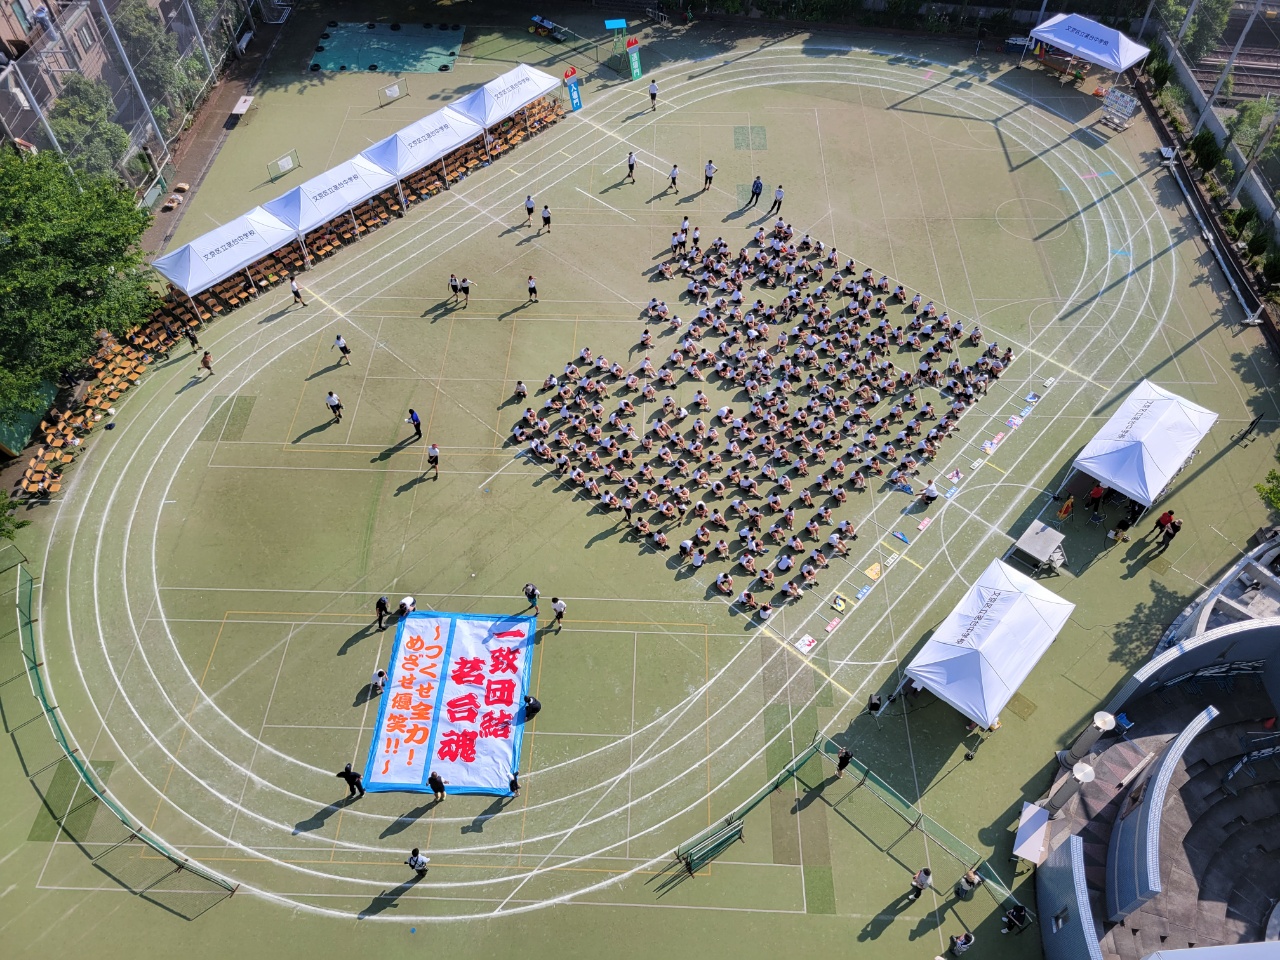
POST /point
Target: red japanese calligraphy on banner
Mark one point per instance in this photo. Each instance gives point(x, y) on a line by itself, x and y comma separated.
point(453, 703)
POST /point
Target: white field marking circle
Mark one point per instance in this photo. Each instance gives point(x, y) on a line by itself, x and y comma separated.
point(177, 712)
point(1032, 219)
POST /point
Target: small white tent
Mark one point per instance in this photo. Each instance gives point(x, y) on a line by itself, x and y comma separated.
point(1090, 40)
point(503, 96)
point(1145, 442)
point(980, 654)
point(224, 251)
point(330, 195)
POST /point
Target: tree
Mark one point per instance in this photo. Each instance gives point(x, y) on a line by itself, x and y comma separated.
point(9, 525)
point(1246, 123)
point(151, 49)
point(1207, 27)
point(70, 266)
point(81, 120)
point(1208, 152)
point(1269, 490)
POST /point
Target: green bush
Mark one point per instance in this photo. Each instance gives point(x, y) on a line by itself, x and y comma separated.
point(1160, 72)
point(1271, 265)
point(1206, 149)
point(1257, 244)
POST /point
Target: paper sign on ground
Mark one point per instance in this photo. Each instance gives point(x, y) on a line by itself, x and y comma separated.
point(805, 644)
point(873, 571)
point(453, 703)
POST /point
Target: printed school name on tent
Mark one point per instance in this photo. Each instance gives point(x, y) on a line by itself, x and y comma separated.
point(453, 703)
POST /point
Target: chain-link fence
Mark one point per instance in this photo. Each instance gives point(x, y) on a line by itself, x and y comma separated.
point(110, 84)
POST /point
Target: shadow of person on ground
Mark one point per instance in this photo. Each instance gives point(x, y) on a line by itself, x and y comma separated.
point(387, 899)
point(407, 819)
point(323, 370)
point(878, 924)
point(392, 450)
point(489, 812)
point(320, 428)
point(318, 819)
point(364, 695)
point(811, 794)
point(356, 637)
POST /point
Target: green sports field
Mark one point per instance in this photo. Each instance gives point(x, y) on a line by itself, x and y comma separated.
point(207, 578)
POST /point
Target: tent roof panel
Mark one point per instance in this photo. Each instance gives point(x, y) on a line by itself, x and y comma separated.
point(985, 648)
point(1091, 41)
point(1146, 441)
point(331, 194)
point(223, 251)
point(504, 95)
point(423, 142)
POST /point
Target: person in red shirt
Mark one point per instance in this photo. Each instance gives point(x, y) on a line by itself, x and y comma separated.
point(1096, 495)
point(1163, 521)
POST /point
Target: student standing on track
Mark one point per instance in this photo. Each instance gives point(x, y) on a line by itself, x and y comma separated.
point(354, 780)
point(708, 172)
point(344, 352)
point(546, 219)
point(454, 286)
point(653, 94)
point(559, 606)
point(334, 403)
point(777, 201)
point(532, 593)
point(417, 862)
point(533, 289)
point(433, 459)
point(675, 177)
point(437, 786)
point(529, 206)
point(207, 362)
point(297, 292)
point(631, 166)
point(382, 607)
point(465, 288)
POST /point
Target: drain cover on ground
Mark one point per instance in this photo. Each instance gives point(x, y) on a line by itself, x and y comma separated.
point(1020, 706)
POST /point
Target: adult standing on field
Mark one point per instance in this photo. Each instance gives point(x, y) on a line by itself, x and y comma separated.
point(653, 94)
point(777, 201)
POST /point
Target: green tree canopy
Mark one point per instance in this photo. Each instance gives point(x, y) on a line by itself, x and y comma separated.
point(151, 48)
point(81, 120)
point(70, 265)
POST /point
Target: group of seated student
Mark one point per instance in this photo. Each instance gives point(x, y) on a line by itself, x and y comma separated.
point(829, 387)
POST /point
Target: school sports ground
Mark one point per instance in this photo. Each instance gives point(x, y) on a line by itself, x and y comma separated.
point(205, 580)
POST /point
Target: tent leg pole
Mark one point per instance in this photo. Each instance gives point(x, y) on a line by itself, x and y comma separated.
point(404, 204)
point(444, 169)
point(355, 225)
point(252, 286)
point(191, 300)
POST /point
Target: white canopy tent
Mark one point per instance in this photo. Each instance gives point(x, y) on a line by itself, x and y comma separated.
point(503, 96)
point(1145, 442)
point(330, 195)
point(423, 142)
point(987, 645)
point(1081, 37)
point(228, 249)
